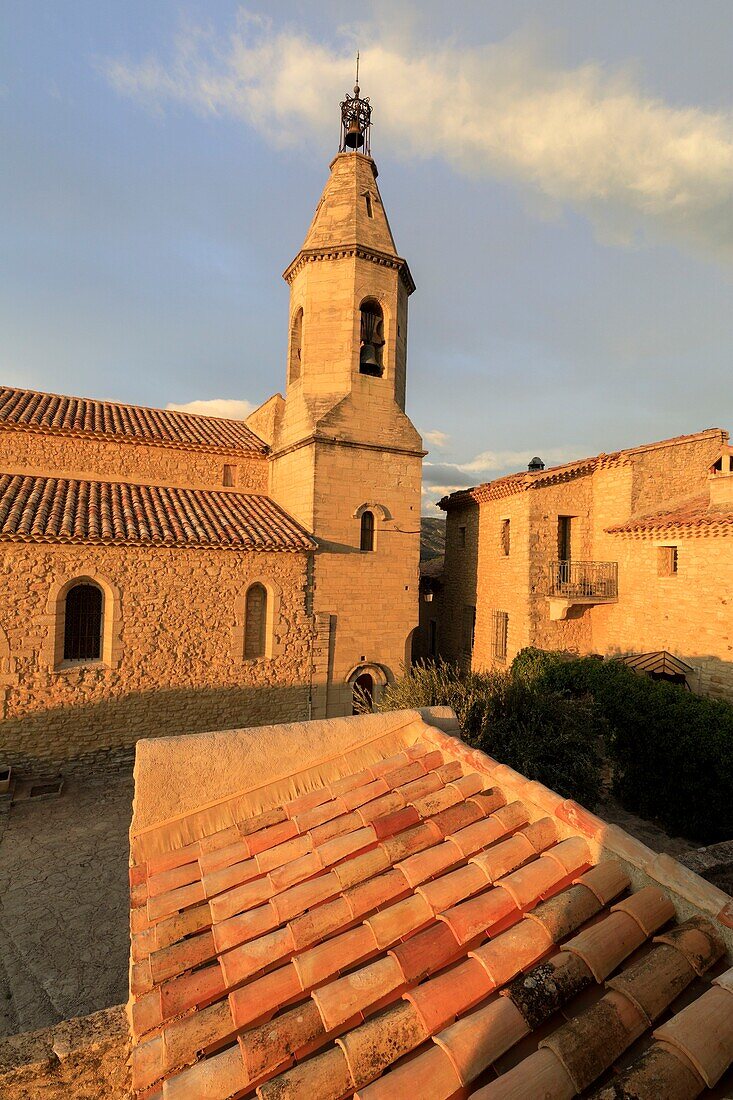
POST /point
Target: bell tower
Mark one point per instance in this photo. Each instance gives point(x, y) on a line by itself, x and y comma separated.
point(346, 460)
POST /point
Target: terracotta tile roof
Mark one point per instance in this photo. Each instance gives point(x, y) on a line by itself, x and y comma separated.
point(553, 475)
point(351, 942)
point(692, 517)
point(27, 410)
point(50, 509)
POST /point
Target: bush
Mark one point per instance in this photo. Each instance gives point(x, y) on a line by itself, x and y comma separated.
point(546, 735)
point(672, 750)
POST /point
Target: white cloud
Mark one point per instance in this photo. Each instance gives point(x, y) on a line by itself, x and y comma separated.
point(227, 408)
point(493, 461)
point(585, 136)
point(437, 438)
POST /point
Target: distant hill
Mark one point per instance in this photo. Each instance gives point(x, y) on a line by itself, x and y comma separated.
point(432, 537)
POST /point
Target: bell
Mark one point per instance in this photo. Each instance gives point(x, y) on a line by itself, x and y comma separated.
point(354, 138)
point(368, 362)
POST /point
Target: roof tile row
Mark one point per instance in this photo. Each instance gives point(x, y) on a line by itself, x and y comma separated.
point(272, 959)
point(66, 510)
point(27, 410)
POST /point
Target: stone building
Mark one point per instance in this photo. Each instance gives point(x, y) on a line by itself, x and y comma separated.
point(163, 571)
point(627, 554)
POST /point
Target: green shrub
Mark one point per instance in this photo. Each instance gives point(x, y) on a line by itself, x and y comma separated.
point(672, 751)
point(547, 735)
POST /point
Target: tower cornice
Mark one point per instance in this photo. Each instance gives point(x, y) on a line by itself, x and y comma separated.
point(340, 252)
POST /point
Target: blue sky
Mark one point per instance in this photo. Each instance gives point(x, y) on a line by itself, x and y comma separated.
point(559, 176)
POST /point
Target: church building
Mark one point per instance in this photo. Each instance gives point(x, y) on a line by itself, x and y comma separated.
point(166, 573)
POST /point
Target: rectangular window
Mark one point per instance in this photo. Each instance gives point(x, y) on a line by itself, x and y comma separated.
point(368, 199)
point(564, 537)
point(499, 634)
point(469, 630)
point(228, 478)
point(505, 540)
point(666, 561)
point(462, 537)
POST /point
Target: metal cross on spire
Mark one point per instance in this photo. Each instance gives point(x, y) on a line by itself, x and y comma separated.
point(356, 120)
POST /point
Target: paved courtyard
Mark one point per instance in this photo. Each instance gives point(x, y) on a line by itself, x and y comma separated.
point(64, 904)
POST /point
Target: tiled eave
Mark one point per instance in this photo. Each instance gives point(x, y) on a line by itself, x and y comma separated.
point(382, 259)
point(522, 482)
point(695, 519)
point(45, 510)
point(38, 413)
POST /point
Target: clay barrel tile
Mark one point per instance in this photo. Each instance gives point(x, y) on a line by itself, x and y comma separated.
point(566, 911)
point(477, 1040)
point(471, 918)
point(360, 868)
point(588, 1044)
point(221, 1075)
point(504, 857)
point(547, 987)
point(654, 982)
point(542, 1074)
point(514, 950)
point(605, 945)
point(266, 1048)
point(339, 1000)
point(698, 941)
point(327, 959)
point(607, 880)
point(380, 1041)
point(659, 1072)
point(649, 907)
point(703, 1032)
point(263, 995)
point(430, 1076)
point(428, 950)
point(326, 1076)
point(427, 864)
point(444, 892)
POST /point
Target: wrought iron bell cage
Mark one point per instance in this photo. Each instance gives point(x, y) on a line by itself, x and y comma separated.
point(356, 123)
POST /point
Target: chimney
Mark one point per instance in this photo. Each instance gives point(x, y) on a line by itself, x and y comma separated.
point(536, 465)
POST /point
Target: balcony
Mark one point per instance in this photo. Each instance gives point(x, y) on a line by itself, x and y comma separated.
point(580, 583)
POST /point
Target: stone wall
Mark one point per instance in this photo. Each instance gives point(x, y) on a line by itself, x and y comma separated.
point(690, 614)
point(174, 662)
point(85, 1058)
point(57, 455)
point(460, 579)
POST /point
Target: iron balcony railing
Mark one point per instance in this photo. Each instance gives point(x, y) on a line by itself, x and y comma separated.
point(587, 580)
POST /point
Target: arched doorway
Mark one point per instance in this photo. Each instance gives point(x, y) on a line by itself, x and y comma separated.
point(362, 693)
point(366, 683)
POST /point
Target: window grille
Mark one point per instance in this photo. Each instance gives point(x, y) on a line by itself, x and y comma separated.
point(499, 632)
point(255, 622)
point(83, 623)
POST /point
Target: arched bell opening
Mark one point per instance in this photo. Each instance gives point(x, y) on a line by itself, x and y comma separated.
point(371, 350)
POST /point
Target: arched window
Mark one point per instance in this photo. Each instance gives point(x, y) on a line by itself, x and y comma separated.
point(255, 622)
point(296, 346)
point(372, 339)
point(83, 613)
point(367, 531)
